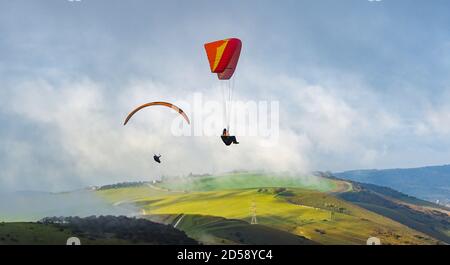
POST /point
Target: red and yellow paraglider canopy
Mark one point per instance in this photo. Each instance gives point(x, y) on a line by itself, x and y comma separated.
point(223, 56)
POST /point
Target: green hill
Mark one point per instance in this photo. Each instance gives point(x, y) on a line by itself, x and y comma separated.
point(420, 215)
point(221, 209)
point(429, 183)
point(307, 207)
point(233, 181)
point(219, 230)
point(103, 230)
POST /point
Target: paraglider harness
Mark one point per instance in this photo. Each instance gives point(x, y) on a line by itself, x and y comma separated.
point(156, 158)
point(227, 139)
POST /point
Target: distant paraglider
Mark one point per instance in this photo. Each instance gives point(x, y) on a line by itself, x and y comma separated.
point(157, 158)
point(158, 103)
point(223, 57)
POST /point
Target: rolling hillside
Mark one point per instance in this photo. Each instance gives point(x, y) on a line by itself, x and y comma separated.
point(429, 183)
point(103, 230)
point(247, 180)
point(241, 208)
point(420, 215)
point(310, 208)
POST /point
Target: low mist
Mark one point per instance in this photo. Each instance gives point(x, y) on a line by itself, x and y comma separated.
point(28, 206)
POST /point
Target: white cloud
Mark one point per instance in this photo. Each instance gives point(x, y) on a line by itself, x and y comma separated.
point(87, 125)
point(344, 101)
point(322, 127)
point(436, 121)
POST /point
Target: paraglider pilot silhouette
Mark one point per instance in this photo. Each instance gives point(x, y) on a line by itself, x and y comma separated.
point(227, 138)
point(157, 158)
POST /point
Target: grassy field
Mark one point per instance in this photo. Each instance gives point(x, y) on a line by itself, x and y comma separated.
point(130, 194)
point(301, 213)
point(305, 207)
point(219, 230)
point(234, 181)
point(219, 210)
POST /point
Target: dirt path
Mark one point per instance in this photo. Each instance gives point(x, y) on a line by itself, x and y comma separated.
point(178, 221)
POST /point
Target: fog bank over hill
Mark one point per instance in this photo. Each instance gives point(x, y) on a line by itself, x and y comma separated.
point(29, 206)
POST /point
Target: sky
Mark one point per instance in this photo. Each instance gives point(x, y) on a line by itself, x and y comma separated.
point(360, 84)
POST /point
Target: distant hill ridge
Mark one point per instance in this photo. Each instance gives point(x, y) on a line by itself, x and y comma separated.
point(431, 183)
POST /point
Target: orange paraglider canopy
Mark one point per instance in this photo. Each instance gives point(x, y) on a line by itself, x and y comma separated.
point(223, 56)
point(158, 103)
